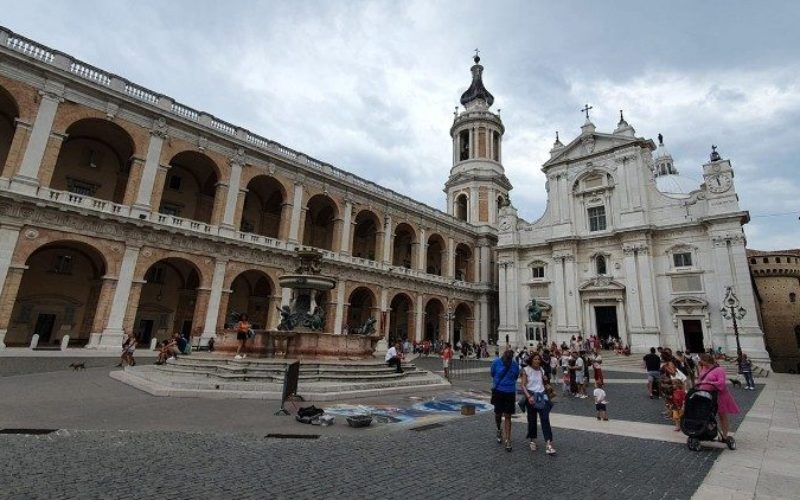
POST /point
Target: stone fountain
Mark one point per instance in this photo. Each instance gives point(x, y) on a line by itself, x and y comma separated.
point(301, 331)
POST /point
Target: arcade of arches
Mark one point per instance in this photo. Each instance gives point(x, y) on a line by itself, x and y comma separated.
point(190, 187)
point(321, 216)
point(252, 294)
point(264, 204)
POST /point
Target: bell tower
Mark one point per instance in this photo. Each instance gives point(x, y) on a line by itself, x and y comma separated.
point(477, 186)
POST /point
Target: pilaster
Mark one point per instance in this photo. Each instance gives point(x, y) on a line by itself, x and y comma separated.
point(215, 297)
point(115, 325)
point(144, 194)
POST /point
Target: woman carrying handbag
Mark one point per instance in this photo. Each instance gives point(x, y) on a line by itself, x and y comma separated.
point(538, 403)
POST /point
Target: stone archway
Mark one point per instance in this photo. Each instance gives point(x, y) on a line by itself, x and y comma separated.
point(263, 206)
point(9, 113)
point(401, 318)
point(251, 293)
point(463, 324)
point(360, 307)
point(321, 215)
point(435, 320)
point(404, 246)
point(168, 301)
point(464, 263)
point(365, 235)
point(461, 209)
point(94, 161)
point(58, 295)
point(190, 187)
point(435, 255)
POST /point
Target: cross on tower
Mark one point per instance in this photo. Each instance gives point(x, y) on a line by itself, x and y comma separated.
point(477, 52)
point(586, 109)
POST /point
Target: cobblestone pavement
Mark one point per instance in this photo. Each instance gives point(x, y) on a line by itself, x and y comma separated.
point(459, 459)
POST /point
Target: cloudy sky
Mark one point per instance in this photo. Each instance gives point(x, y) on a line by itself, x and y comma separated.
point(371, 86)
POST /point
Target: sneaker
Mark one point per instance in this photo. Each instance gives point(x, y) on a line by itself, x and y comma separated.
point(550, 450)
point(171, 358)
point(533, 445)
point(508, 445)
point(499, 436)
point(238, 356)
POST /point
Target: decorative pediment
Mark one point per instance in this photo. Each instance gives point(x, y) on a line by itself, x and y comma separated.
point(601, 283)
point(590, 144)
point(689, 305)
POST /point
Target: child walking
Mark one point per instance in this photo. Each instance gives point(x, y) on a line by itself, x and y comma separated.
point(600, 401)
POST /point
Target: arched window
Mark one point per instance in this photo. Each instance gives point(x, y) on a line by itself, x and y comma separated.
point(462, 207)
point(600, 264)
point(792, 297)
point(766, 260)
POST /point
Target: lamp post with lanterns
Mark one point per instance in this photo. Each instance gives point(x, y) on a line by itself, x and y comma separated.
point(732, 310)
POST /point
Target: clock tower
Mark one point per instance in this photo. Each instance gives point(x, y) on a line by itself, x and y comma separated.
point(477, 187)
point(718, 177)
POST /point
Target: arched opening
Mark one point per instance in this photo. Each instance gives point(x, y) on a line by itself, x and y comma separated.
point(58, 295)
point(360, 307)
point(250, 294)
point(94, 161)
point(190, 187)
point(463, 324)
point(167, 300)
point(464, 267)
point(401, 318)
point(500, 201)
point(403, 246)
point(461, 208)
point(365, 235)
point(434, 262)
point(434, 320)
point(9, 112)
point(320, 217)
point(263, 204)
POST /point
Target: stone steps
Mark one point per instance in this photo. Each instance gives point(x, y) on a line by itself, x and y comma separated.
point(217, 377)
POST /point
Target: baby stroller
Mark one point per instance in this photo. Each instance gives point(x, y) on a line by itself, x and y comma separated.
point(699, 420)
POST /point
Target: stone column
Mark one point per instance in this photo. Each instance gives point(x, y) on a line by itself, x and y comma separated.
point(8, 298)
point(473, 206)
point(419, 325)
point(122, 301)
point(337, 234)
point(228, 226)
point(573, 297)
point(27, 178)
point(422, 250)
point(48, 166)
point(339, 317)
point(384, 315)
point(648, 290)
point(144, 193)
point(214, 299)
point(297, 212)
point(200, 314)
point(346, 228)
point(450, 270)
point(286, 221)
point(483, 305)
point(158, 188)
point(22, 132)
point(9, 234)
point(132, 306)
point(105, 300)
point(486, 264)
point(633, 299)
point(223, 309)
point(387, 240)
point(134, 180)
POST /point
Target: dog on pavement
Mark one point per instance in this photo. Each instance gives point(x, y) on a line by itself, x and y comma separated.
point(736, 382)
point(78, 366)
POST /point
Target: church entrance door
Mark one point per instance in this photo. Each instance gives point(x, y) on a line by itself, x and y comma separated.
point(693, 335)
point(606, 321)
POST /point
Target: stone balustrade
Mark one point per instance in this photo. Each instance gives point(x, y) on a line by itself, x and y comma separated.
point(83, 201)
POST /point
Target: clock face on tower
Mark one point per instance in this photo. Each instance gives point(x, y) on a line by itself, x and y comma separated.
point(719, 183)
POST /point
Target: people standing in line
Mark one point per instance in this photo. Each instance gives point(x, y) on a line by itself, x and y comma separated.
point(504, 373)
point(600, 401)
point(712, 375)
point(746, 369)
point(652, 365)
point(538, 404)
point(597, 362)
point(447, 355)
point(242, 331)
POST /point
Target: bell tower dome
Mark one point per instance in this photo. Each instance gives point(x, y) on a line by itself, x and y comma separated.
point(477, 185)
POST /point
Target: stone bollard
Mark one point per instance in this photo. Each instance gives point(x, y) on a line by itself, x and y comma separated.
point(64, 342)
point(153, 343)
point(34, 341)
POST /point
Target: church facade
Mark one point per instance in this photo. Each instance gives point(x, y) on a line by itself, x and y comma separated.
point(626, 249)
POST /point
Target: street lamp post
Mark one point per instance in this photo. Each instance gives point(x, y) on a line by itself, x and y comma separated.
point(449, 315)
point(732, 309)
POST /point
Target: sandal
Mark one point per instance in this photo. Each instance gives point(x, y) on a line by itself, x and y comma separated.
point(533, 446)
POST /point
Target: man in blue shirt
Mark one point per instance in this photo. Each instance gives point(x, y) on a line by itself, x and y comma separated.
point(504, 392)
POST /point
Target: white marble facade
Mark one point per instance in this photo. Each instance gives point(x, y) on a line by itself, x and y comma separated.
point(625, 249)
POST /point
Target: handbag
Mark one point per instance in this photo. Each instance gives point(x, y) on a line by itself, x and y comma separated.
point(679, 375)
point(539, 400)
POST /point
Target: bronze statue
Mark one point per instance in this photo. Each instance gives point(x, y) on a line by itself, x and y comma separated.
point(534, 312)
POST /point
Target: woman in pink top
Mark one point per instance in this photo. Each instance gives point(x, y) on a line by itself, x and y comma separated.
point(713, 376)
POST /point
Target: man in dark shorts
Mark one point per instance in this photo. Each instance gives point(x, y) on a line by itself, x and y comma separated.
point(652, 365)
point(505, 372)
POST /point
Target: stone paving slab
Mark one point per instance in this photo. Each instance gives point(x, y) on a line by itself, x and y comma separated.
point(441, 462)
